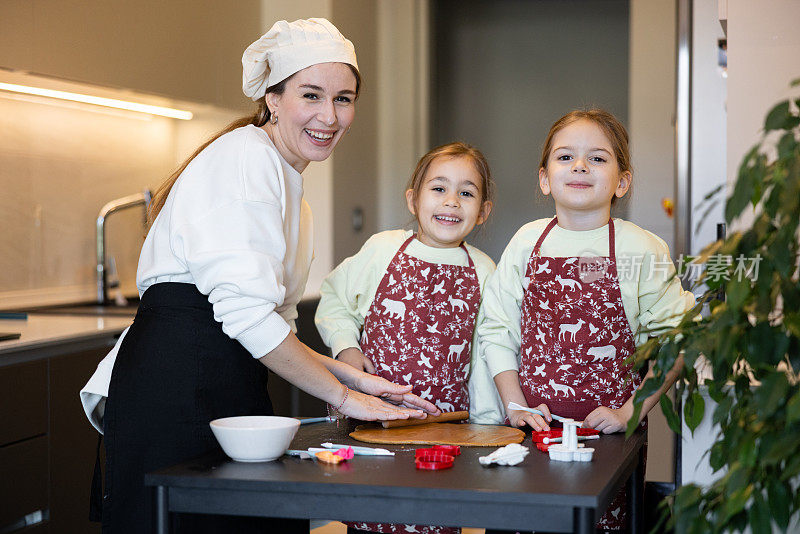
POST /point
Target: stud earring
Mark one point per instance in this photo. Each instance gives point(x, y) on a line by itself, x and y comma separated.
point(273, 118)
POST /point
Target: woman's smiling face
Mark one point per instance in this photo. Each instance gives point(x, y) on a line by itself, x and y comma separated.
point(314, 112)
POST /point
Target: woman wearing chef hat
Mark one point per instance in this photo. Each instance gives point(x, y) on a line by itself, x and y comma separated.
point(222, 268)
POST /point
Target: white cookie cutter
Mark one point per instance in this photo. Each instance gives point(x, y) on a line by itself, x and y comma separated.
point(569, 450)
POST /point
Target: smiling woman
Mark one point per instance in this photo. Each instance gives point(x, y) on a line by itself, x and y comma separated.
point(314, 110)
point(222, 269)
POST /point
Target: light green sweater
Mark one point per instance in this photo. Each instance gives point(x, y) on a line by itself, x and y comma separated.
point(347, 294)
point(651, 295)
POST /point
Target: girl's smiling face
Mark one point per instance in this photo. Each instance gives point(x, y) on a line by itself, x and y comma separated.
point(449, 203)
point(314, 111)
point(583, 174)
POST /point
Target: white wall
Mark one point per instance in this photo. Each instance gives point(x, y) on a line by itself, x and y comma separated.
point(763, 52)
point(709, 123)
point(403, 108)
point(651, 112)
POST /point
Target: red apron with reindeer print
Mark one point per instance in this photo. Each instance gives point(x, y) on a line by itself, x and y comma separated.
point(418, 331)
point(576, 340)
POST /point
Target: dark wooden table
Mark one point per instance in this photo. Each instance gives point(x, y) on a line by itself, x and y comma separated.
point(537, 494)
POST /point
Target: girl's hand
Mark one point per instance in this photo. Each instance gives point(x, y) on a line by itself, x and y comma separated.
point(369, 408)
point(608, 420)
point(355, 358)
point(396, 394)
point(538, 423)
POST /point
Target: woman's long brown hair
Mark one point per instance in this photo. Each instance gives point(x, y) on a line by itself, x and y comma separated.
point(259, 118)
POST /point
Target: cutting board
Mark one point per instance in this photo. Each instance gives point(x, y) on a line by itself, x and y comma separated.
point(468, 435)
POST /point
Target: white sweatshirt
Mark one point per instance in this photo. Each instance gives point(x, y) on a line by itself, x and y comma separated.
point(236, 226)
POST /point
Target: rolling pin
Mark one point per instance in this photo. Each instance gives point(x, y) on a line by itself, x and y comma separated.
point(446, 416)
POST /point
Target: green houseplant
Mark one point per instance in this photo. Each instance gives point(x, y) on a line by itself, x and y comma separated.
point(751, 340)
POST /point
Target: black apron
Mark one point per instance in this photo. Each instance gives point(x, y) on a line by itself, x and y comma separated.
point(175, 372)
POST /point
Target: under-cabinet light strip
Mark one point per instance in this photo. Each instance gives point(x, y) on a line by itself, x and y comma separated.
point(98, 101)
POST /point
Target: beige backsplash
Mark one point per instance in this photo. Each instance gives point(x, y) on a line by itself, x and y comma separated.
point(59, 164)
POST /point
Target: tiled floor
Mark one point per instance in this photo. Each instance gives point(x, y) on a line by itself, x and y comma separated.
point(335, 527)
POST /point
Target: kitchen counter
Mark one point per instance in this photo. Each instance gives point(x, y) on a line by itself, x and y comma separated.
point(46, 335)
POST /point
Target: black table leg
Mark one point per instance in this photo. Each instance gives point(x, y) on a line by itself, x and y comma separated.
point(584, 520)
point(634, 497)
point(162, 510)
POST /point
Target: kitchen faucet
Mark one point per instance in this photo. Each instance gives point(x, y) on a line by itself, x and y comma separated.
point(130, 201)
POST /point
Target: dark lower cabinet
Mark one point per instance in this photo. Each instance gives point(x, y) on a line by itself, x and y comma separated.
point(47, 446)
point(73, 443)
point(24, 481)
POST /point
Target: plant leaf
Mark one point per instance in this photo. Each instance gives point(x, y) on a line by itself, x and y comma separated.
point(793, 408)
point(778, 498)
point(787, 145)
point(792, 322)
point(686, 509)
point(760, 520)
point(744, 188)
point(736, 502)
point(722, 410)
point(717, 457)
point(737, 291)
point(771, 394)
point(778, 117)
point(694, 410)
point(673, 420)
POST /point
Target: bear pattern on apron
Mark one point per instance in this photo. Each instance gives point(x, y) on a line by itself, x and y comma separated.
point(576, 340)
point(418, 331)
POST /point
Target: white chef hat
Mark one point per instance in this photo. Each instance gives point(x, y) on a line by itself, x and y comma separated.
point(289, 47)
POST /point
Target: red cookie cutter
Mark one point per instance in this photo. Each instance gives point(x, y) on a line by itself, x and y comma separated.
point(434, 461)
point(452, 450)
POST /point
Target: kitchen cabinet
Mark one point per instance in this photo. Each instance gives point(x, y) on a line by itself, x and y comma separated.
point(47, 450)
point(47, 447)
point(24, 484)
point(73, 442)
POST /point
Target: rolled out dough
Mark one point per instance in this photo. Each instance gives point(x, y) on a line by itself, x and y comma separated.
point(468, 435)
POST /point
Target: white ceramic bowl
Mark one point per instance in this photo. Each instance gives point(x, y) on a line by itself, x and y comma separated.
point(254, 438)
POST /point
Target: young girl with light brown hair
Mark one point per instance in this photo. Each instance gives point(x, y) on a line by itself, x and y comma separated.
point(573, 295)
point(405, 306)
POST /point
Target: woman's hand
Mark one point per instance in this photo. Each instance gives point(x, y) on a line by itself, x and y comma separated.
point(394, 393)
point(355, 358)
point(370, 408)
point(608, 420)
point(538, 423)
